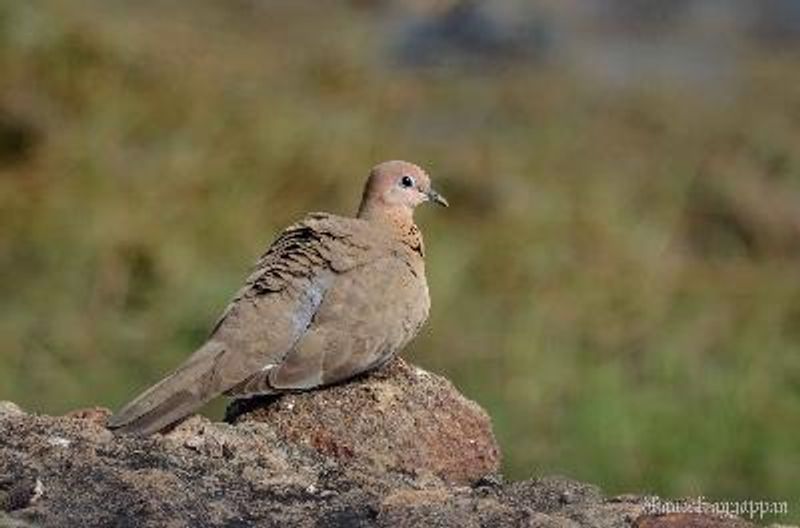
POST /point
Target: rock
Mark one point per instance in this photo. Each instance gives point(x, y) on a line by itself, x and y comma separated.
point(98, 415)
point(8, 408)
point(401, 419)
point(382, 450)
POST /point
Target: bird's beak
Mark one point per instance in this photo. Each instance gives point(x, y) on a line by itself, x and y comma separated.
point(435, 197)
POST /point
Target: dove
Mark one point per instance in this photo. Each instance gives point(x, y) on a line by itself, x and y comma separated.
point(331, 298)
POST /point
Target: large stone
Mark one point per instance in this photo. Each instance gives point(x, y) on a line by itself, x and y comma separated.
point(398, 448)
point(399, 419)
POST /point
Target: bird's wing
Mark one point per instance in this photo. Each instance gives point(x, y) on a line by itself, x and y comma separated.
point(265, 320)
point(319, 244)
point(367, 315)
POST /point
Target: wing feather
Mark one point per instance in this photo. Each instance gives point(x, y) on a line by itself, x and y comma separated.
point(262, 324)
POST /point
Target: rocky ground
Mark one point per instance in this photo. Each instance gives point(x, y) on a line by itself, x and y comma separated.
point(398, 448)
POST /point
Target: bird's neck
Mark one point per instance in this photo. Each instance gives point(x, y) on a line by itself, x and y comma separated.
point(398, 222)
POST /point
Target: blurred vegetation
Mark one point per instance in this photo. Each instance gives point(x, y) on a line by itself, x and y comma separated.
point(617, 282)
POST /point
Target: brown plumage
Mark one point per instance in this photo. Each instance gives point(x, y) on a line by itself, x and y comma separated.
point(331, 298)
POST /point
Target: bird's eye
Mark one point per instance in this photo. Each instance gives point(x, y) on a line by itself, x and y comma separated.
point(407, 181)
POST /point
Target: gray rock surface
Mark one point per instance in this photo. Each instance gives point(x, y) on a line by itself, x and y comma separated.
point(397, 448)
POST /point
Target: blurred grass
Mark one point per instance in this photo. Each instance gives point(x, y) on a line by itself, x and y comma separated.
point(617, 282)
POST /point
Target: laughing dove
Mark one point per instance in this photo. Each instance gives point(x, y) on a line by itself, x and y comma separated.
point(331, 298)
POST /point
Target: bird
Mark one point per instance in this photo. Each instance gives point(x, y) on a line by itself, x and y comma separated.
point(332, 297)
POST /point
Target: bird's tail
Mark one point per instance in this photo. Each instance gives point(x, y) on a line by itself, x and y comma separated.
point(173, 398)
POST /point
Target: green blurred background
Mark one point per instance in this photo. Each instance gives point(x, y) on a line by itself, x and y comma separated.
point(617, 281)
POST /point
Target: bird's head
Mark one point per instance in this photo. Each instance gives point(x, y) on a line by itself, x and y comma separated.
point(394, 189)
